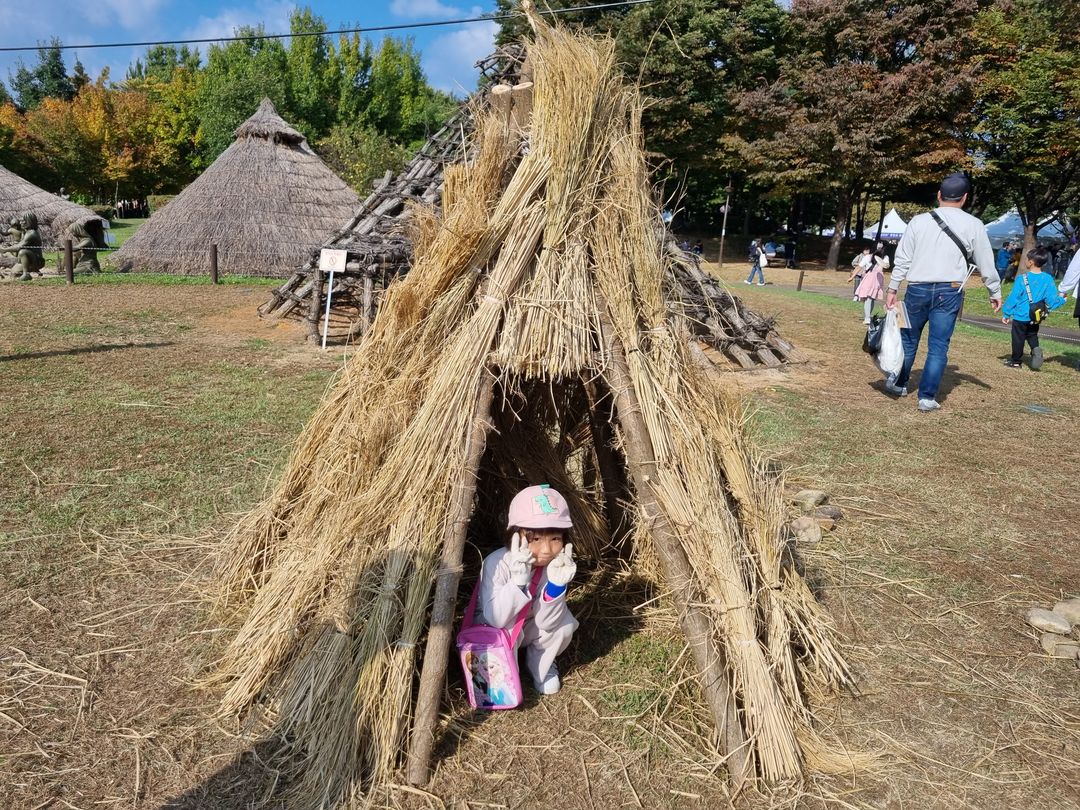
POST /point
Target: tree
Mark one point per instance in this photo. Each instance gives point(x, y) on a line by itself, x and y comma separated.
point(397, 99)
point(79, 77)
point(48, 79)
point(1026, 138)
point(868, 95)
point(162, 61)
point(312, 77)
point(238, 75)
point(4, 97)
point(692, 57)
point(360, 155)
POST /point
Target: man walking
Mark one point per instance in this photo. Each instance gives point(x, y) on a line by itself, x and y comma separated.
point(934, 256)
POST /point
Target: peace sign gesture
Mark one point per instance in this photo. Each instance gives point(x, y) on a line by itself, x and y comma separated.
point(520, 560)
point(562, 569)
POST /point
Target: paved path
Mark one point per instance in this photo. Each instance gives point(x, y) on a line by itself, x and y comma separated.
point(1070, 336)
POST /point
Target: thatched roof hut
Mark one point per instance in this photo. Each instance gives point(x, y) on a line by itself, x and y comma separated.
point(266, 202)
point(531, 341)
point(55, 214)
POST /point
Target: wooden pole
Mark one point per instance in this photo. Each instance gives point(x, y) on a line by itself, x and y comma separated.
point(69, 262)
point(723, 228)
point(798, 287)
point(708, 657)
point(369, 297)
point(213, 264)
point(444, 603)
point(315, 304)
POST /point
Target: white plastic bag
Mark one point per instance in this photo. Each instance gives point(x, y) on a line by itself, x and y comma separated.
point(891, 357)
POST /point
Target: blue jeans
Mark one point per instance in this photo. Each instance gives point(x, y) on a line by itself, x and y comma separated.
point(937, 304)
point(756, 270)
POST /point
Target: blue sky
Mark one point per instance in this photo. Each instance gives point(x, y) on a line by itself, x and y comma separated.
point(448, 52)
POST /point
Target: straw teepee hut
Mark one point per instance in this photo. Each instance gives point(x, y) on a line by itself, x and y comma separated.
point(266, 202)
point(530, 342)
point(55, 215)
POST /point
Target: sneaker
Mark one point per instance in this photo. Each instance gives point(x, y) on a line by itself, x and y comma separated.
point(761, 283)
point(893, 388)
point(1036, 358)
point(1010, 363)
point(550, 684)
point(927, 405)
point(866, 322)
point(855, 298)
point(746, 281)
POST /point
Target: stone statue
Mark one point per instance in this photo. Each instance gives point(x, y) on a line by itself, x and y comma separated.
point(86, 260)
point(28, 247)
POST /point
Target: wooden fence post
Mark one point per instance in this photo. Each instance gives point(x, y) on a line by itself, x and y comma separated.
point(798, 287)
point(213, 264)
point(69, 262)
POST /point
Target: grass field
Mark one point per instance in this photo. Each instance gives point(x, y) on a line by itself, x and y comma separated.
point(142, 417)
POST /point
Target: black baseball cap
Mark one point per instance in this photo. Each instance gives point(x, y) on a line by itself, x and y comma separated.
point(955, 186)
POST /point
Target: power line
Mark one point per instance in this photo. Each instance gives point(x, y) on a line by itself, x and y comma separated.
point(373, 29)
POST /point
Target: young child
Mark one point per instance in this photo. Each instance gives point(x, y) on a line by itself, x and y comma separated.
point(872, 286)
point(539, 520)
point(1030, 288)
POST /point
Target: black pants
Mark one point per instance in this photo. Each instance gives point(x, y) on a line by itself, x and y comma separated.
point(1023, 331)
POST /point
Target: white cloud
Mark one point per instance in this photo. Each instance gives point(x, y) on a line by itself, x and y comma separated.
point(273, 14)
point(131, 16)
point(413, 9)
point(450, 60)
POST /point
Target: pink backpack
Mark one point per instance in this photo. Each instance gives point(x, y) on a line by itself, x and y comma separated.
point(488, 657)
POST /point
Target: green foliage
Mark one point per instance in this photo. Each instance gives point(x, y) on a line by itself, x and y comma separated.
point(158, 201)
point(163, 61)
point(238, 75)
point(48, 79)
point(1026, 136)
point(397, 100)
point(103, 211)
point(361, 154)
point(4, 97)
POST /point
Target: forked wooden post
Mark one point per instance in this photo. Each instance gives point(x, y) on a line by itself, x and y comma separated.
point(213, 264)
point(315, 305)
point(369, 297)
point(441, 628)
point(69, 262)
point(708, 657)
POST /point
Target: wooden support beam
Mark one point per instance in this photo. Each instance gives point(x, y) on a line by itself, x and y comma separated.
point(444, 603)
point(678, 573)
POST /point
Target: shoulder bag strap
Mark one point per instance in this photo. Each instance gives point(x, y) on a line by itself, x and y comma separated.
point(956, 241)
point(520, 623)
point(1027, 287)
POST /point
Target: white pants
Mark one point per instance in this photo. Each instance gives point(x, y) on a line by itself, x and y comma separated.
point(542, 646)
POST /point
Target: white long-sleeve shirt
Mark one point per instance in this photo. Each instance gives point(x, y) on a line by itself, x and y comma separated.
point(1071, 282)
point(926, 254)
point(501, 600)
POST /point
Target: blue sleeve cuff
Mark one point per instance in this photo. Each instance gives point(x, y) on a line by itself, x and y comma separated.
point(554, 591)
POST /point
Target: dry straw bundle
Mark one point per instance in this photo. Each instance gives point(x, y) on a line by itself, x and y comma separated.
point(531, 341)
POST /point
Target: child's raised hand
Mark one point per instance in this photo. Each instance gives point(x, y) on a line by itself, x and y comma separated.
point(520, 560)
point(562, 569)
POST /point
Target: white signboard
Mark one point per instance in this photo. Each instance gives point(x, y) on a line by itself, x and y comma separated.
point(332, 261)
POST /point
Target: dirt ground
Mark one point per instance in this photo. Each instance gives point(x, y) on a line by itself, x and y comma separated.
point(139, 421)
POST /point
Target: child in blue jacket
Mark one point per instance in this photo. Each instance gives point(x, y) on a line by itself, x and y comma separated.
point(1031, 288)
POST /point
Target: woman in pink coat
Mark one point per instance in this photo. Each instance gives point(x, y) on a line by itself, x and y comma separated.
point(533, 570)
point(872, 286)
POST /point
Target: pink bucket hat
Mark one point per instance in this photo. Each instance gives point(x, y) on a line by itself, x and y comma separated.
point(539, 507)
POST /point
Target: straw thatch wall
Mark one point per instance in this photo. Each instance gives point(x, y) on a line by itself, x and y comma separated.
point(55, 214)
point(266, 202)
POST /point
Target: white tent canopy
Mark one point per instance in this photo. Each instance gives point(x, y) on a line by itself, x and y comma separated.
point(1009, 227)
point(892, 227)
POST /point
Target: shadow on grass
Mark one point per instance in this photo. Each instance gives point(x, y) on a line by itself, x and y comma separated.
point(96, 348)
point(240, 784)
point(952, 378)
